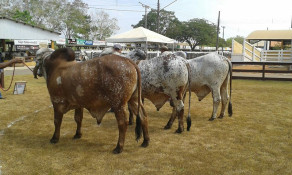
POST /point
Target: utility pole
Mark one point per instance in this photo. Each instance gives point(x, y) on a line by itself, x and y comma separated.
point(158, 18)
point(223, 30)
point(218, 24)
point(146, 6)
point(158, 13)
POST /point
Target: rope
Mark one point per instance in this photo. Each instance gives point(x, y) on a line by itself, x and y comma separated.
point(11, 80)
point(27, 66)
point(13, 76)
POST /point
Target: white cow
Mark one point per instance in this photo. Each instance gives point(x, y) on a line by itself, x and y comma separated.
point(163, 78)
point(211, 73)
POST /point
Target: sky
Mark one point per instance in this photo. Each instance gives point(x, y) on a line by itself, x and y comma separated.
point(239, 17)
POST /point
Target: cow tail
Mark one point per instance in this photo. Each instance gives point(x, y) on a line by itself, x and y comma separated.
point(230, 84)
point(189, 121)
point(138, 128)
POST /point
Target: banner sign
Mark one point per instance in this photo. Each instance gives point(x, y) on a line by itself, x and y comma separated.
point(99, 43)
point(84, 42)
point(26, 47)
point(71, 41)
point(88, 42)
point(30, 42)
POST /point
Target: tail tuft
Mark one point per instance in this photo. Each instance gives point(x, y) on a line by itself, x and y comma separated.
point(138, 129)
point(230, 109)
point(189, 123)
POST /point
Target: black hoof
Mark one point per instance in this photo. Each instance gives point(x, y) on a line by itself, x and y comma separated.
point(145, 143)
point(211, 119)
point(54, 141)
point(167, 127)
point(179, 130)
point(221, 116)
point(117, 150)
point(77, 136)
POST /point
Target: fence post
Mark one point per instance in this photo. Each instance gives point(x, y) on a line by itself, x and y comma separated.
point(243, 49)
point(253, 50)
point(264, 68)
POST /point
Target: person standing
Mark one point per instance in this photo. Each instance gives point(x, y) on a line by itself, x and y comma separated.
point(6, 64)
point(118, 49)
point(163, 49)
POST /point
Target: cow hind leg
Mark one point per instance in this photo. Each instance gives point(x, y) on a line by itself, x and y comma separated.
point(224, 100)
point(120, 114)
point(58, 117)
point(216, 102)
point(179, 106)
point(172, 118)
point(78, 119)
point(141, 121)
point(131, 116)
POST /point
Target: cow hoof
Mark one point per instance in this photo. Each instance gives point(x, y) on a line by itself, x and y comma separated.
point(145, 143)
point(77, 136)
point(54, 141)
point(117, 150)
point(221, 116)
point(179, 130)
point(167, 127)
point(211, 119)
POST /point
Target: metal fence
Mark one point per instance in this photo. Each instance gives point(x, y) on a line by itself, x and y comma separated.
point(150, 54)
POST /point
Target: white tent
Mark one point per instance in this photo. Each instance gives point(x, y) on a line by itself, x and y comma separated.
point(138, 35)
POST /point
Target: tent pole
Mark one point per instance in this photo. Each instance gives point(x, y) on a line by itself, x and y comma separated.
point(146, 49)
point(173, 47)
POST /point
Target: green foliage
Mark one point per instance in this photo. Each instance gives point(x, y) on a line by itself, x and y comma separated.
point(167, 21)
point(196, 32)
point(23, 17)
point(67, 16)
point(102, 26)
point(237, 38)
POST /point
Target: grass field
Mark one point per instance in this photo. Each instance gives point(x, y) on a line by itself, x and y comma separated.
point(255, 140)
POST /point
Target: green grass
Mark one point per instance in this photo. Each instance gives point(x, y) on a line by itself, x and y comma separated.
point(255, 140)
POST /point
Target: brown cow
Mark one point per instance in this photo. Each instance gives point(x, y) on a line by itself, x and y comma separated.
point(96, 85)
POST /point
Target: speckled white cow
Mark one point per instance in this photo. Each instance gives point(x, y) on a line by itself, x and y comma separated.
point(98, 84)
point(163, 78)
point(211, 73)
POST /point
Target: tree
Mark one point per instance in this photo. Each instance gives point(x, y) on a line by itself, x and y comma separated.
point(237, 38)
point(68, 17)
point(23, 16)
point(167, 20)
point(196, 32)
point(102, 26)
point(76, 23)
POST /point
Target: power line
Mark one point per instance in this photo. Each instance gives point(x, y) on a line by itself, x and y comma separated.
point(115, 9)
point(93, 5)
point(168, 5)
point(146, 7)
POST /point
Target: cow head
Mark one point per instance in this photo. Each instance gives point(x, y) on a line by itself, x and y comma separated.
point(83, 56)
point(136, 54)
point(107, 51)
point(41, 55)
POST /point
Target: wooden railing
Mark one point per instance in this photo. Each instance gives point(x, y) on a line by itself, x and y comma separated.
point(277, 55)
point(267, 71)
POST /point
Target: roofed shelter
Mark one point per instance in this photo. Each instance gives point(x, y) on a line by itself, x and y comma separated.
point(284, 37)
point(16, 30)
point(140, 35)
point(276, 45)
